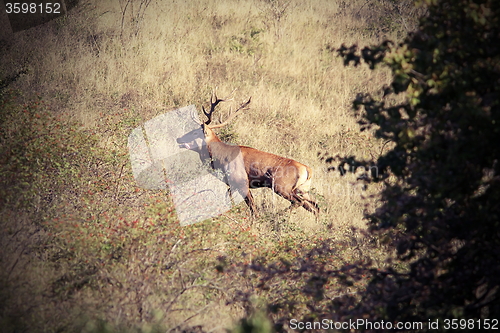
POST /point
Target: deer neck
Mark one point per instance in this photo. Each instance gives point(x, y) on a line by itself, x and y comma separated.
point(210, 135)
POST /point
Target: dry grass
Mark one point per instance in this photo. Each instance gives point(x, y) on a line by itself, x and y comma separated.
point(109, 77)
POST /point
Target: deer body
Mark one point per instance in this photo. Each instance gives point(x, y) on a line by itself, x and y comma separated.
point(286, 177)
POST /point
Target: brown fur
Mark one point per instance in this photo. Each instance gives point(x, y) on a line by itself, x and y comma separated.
point(286, 177)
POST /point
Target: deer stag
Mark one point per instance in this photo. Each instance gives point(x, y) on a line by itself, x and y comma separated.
point(286, 177)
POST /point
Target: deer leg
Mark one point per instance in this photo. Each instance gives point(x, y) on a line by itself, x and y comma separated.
point(311, 206)
point(251, 204)
point(305, 201)
point(293, 205)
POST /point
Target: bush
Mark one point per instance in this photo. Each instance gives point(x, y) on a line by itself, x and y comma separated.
point(440, 208)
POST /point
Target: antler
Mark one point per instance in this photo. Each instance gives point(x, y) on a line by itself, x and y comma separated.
point(243, 106)
point(214, 101)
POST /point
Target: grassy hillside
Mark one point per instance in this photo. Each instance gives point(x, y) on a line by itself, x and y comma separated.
point(85, 248)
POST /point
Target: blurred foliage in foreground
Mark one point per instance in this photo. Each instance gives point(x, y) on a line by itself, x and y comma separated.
point(440, 208)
